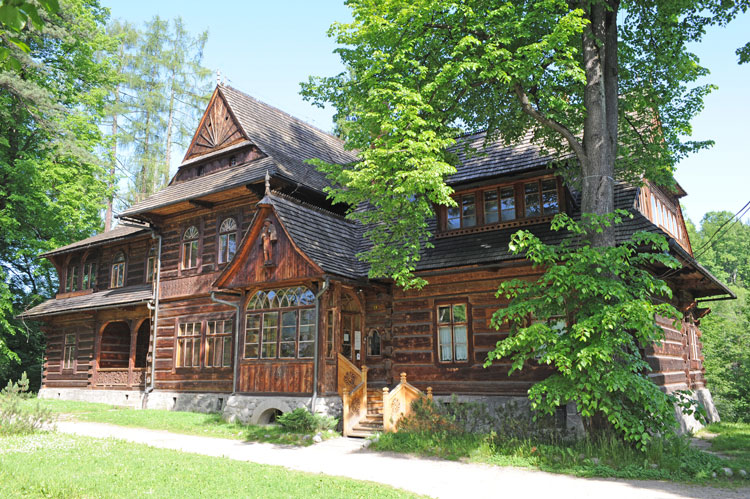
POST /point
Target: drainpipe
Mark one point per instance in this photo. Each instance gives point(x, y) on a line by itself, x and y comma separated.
point(235, 306)
point(317, 341)
point(155, 308)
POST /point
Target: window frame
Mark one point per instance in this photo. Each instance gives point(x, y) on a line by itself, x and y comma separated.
point(259, 315)
point(151, 264)
point(121, 270)
point(369, 337)
point(222, 256)
point(436, 324)
point(72, 276)
point(224, 337)
point(90, 268)
point(185, 243)
point(195, 339)
point(74, 352)
point(519, 205)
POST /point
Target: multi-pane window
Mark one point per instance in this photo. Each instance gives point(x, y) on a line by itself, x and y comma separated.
point(227, 240)
point(280, 324)
point(117, 277)
point(664, 216)
point(550, 203)
point(190, 247)
point(89, 274)
point(464, 214)
point(151, 264)
point(189, 345)
point(453, 341)
point(69, 351)
point(219, 343)
point(499, 204)
point(71, 282)
point(531, 199)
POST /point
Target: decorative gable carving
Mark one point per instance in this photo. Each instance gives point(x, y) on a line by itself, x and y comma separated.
point(218, 129)
point(266, 255)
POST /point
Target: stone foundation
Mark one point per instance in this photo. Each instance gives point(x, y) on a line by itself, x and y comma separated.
point(689, 423)
point(253, 409)
point(124, 398)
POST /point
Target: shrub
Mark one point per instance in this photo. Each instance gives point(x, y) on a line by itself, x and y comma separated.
point(15, 418)
point(303, 421)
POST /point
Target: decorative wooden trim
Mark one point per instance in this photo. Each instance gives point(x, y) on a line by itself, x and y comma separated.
point(469, 333)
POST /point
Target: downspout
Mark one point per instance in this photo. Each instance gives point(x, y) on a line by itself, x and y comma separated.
point(317, 342)
point(235, 306)
point(155, 308)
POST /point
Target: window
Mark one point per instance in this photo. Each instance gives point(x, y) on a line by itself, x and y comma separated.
point(219, 343)
point(550, 202)
point(329, 335)
point(89, 274)
point(531, 199)
point(190, 248)
point(189, 345)
point(373, 344)
point(491, 207)
point(227, 240)
point(69, 351)
point(71, 281)
point(463, 215)
point(453, 333)
point(151, 264)
point(280, 324)
point(118, 271)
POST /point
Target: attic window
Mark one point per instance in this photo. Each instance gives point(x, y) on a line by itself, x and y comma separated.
point(232, 160)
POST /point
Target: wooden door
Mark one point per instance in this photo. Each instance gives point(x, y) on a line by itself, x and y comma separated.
point(352, 340)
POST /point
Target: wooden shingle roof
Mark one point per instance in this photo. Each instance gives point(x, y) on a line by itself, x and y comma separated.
point(119, 232)
point(111, 298)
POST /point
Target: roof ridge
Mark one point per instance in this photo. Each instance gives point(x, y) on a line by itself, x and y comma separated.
point(309, 206)
point(283, 112)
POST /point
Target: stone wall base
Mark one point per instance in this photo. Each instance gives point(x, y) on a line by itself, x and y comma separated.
point(689, 423)
point(124, 398)
point(255, 409)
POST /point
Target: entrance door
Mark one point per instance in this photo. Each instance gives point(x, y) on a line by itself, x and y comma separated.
point(352, 340)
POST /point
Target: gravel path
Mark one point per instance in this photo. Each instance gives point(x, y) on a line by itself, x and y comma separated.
point(433, 477)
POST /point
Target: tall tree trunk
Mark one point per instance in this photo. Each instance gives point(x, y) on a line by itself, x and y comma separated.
point(170, 121)
point(110, 181)
point(600, 125)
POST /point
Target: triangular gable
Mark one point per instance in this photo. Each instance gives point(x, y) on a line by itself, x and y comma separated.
point(218, 129)
point(250, 265)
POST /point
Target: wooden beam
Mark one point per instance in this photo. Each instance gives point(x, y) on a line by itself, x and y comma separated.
point(201, 204)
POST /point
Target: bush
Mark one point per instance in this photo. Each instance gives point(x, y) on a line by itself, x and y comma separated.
point(301, 420)
point(14, 418)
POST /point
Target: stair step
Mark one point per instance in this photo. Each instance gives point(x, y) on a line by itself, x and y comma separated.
point(361, 434)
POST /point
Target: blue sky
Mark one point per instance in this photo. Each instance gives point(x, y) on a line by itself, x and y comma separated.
point(267, 48)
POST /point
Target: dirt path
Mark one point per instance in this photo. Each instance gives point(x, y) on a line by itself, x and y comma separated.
point(433, 477)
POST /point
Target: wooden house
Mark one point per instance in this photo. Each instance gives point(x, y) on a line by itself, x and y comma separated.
point(237, 288)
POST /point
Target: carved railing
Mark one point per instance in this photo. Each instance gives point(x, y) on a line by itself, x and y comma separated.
point(112, 376)
point(138, 377)
point(397, 403)
point(352, 386)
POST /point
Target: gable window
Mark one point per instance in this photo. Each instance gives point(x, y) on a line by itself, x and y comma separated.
point(151, 264)
point(188, 345)
point(219, 343)
point(280, 324)
point(117, 278)
point(190, 247)
point(453, 324)
point(227, 240)
point(464, 214)
point(69, 351)
point(71, 281)
point(89, 274)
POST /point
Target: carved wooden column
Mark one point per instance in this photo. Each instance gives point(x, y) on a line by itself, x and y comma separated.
point(132, 323)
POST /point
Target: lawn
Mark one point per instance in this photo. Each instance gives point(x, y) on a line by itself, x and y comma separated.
point(731, 440)
point(49, 464)
point(189, 423)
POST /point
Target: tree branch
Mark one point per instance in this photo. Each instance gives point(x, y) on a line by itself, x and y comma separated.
point(573, 141)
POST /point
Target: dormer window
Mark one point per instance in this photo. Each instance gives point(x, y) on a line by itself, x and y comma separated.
point(190, 247)
point(117, 278)
point(501, 204)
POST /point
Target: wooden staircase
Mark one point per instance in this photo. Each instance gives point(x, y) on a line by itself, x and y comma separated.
point(373, 421)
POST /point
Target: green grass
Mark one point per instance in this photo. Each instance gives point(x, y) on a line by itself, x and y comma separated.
point(733, 441)
point(189, 423)
point(673, 459)
point(56, 465)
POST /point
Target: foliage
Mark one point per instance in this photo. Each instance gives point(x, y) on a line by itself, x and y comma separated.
point(725, 254)
point(17, 418)
point(15, 17)
point(60, 465)
point(593, 311)
point(52, 187)
point(731, 440)
point(421, 72)
point(303, 421)
point(664, 458)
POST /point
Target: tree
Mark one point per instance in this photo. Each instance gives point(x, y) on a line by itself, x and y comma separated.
point(15, 17)
point(593, 313)
point(609, 84)
point(722, 245)
point(52, 187)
